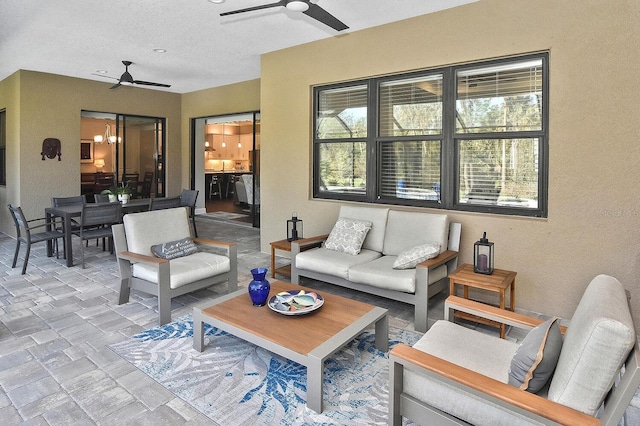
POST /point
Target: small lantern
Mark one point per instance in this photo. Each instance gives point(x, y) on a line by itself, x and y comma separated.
point(483, 256)
point(294, 227)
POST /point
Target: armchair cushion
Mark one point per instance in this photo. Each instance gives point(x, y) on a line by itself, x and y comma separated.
point(185, 270)
point(143, 231)
point(536, 358)
point(174, 249)
point(348, 235)
point(408, 259)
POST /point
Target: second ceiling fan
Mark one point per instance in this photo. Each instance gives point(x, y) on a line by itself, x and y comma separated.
point(305, 6)
point(126, 79)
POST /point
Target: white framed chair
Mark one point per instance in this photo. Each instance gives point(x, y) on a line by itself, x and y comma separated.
point(458, 376)
point(168, 278)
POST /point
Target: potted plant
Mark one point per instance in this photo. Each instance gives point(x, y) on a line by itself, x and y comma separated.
point(121, 192)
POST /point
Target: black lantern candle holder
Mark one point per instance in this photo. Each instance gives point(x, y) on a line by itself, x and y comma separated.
point(483, 256)
point(294, 227)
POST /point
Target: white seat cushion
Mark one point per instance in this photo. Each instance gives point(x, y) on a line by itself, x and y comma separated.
point(185, 270)
point(483, 353)
point(380, 273)
point(332, 262)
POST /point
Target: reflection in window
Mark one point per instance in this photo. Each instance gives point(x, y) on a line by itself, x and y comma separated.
point(342, 113)
point(343, 168)
point(410, 170)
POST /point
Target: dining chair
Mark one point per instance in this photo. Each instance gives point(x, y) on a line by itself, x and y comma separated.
point(96, 221)
point(101, 198)
point(25, 235)
point(161, 203)
point(67, 201)
point(188, 199)
point(146, 184)
point(131, 180)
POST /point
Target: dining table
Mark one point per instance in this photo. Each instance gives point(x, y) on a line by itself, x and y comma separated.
point(68, 212)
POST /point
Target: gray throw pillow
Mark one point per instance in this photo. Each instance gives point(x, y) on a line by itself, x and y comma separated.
point(535, 360)
point(174, 249)
point(348, 235)
point(408, 259)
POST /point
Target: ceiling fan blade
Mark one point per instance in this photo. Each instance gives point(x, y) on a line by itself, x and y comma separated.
point(105, 76)
point(249, 9)
point(318, 13)
point(149, 83)
point(115, 86)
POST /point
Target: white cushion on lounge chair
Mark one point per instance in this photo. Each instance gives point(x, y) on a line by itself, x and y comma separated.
point(185, 270)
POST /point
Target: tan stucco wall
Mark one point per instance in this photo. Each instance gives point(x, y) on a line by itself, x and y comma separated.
point(592, 226)
point(49, 105)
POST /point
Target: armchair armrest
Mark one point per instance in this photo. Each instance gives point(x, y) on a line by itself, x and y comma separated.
point(502, 393)
point(135, 257)
point(215, 243)
point(492, 313)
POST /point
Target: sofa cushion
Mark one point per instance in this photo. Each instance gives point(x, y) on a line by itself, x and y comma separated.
point(332, 262)
point(172, 249)
point(597, 341)
point(147, 229)
point(378, 217)
point(185, 270)
point(380, 273)
point(408, 259)
point(409, 229)
point(536, 358)
point(348, 235)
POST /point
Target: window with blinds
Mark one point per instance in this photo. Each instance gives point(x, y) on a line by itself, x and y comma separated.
point(468, 137)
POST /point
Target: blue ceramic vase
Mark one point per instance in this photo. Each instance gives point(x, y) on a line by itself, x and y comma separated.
point(259, 287)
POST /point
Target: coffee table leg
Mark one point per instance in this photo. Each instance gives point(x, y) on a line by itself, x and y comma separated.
point(198, 330)
point(382, 334)
point(315, 370)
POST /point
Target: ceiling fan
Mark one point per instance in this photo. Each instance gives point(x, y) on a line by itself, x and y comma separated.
point(305, 6)
point(127, 80)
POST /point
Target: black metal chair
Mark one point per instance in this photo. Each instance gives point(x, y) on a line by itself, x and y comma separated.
point(146, 184)
point(164, 203)
point(101, 198)
point(67, 201)
point(96, 221)
point(25, 235)
point(188, 199)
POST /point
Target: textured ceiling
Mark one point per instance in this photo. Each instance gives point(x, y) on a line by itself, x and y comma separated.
point(79, 37)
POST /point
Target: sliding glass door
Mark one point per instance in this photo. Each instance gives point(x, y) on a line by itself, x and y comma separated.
point(123, 149)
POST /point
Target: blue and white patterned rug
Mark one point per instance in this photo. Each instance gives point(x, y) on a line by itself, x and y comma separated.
point(236, 383)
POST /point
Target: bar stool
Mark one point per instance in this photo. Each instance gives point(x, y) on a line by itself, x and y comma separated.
point(214, 187)
point(231, 186)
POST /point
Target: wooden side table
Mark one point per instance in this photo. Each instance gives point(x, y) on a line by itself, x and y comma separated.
point(283, 245)
point(498, 282)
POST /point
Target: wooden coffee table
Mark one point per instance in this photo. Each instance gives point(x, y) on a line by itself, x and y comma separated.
point(306, 339)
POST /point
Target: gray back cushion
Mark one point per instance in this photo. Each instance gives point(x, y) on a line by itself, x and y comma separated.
point(409, 229)
point(378, 219)
point(146, 229)
point(598, 340)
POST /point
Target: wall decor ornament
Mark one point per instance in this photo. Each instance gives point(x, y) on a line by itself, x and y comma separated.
point(51, 148)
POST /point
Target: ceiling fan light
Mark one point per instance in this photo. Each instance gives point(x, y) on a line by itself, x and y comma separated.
point(297, 6)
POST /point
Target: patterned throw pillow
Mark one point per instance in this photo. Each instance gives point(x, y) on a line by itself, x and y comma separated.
point(348, 235)
point(173, 249)
point(535, 360)
point(408, 259)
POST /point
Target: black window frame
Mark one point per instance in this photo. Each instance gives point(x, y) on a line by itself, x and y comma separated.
point(450, 140)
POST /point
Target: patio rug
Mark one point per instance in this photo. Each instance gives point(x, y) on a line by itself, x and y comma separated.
point(236, 383)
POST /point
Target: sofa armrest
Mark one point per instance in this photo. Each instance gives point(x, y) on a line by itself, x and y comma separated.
point(493, 313)
point(441, 259)
point(306, 243)
point(485, 387)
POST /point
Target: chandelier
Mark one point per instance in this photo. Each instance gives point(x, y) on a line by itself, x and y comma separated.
point(108, 137)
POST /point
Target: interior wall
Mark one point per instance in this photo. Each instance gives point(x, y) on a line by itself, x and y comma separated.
point(230, 99)
point(592, 226)
point(49, 106)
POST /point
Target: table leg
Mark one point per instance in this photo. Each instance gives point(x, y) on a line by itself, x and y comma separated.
point(67, 240)
point(382, 334)
point(512, 305)
point(503, 326)
point(273, 262)
point(50, 243)
point(198, 330)
point(315, 370)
